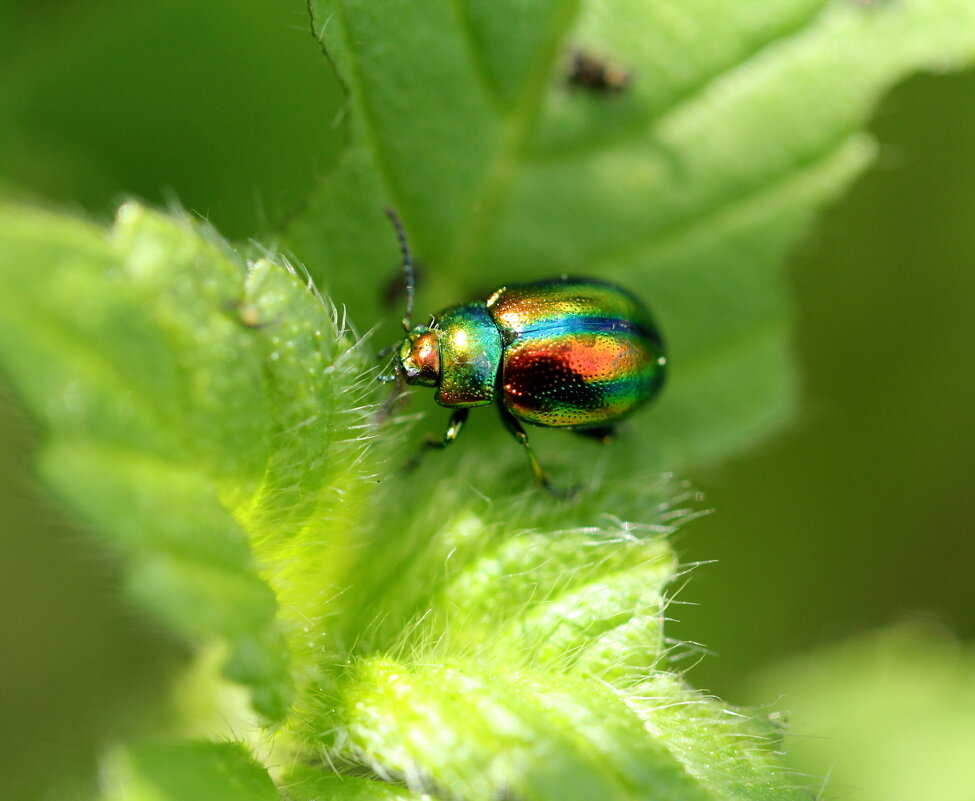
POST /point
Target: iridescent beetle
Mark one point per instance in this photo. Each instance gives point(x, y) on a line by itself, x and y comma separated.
point(573, 353)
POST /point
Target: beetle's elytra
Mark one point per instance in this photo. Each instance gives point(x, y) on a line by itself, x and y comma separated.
point(573, 353)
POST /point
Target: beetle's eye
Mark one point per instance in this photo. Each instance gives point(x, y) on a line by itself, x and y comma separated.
point(420, 358)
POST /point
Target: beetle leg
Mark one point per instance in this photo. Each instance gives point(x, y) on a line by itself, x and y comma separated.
point(541, 477)
point(457, 419)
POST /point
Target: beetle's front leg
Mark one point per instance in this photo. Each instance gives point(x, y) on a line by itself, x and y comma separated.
point(541, 477)
point(457, 419)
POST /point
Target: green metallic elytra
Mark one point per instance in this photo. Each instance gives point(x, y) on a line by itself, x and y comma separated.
point(574, 353)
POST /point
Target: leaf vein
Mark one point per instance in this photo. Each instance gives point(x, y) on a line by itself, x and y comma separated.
point(485, 213)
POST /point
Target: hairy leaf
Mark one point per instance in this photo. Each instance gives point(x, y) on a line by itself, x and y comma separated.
point(200, 416)
point(527, 660)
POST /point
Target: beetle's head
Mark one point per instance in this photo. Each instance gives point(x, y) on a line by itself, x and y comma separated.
point(419, 356)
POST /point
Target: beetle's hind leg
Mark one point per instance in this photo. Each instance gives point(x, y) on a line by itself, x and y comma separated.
point(541, 477)
point(457, 419)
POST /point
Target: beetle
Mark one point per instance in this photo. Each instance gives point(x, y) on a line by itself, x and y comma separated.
point(572, 353)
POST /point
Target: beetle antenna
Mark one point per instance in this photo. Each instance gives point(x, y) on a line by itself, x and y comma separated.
point(404, 247)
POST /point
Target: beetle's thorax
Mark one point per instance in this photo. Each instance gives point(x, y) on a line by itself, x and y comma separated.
point(419, 356)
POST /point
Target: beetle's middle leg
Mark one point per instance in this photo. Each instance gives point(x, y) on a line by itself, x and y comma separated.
point(457, 419)
point(541, 477)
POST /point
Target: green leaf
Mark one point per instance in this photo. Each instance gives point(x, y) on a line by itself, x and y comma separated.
point(891, 713)
point(186, 770)
point(193, 412)
point(740, 123)
point(471, 730)
point(524, 659)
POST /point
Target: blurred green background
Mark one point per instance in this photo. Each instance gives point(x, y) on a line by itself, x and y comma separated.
point(860, 515)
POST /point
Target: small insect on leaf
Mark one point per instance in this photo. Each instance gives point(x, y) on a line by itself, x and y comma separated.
point(597, 75)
